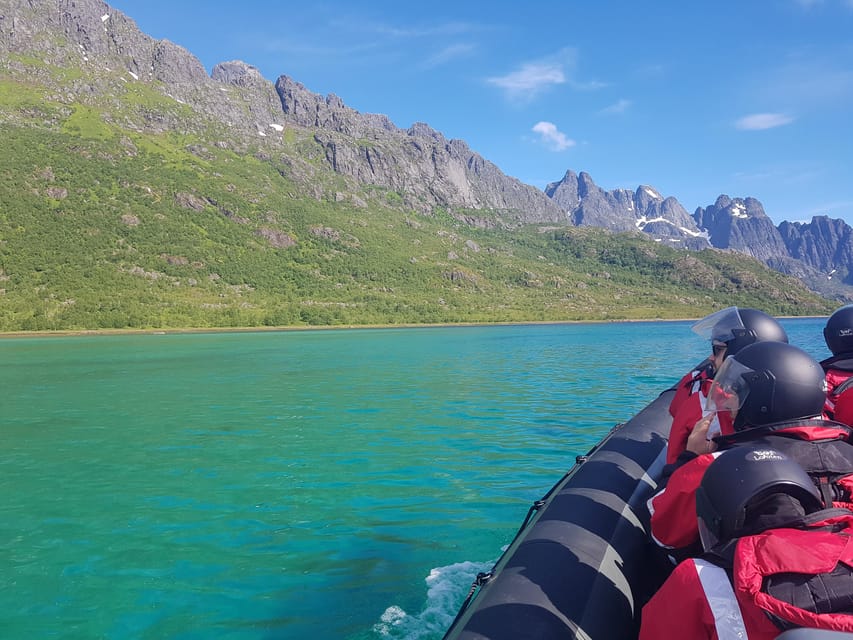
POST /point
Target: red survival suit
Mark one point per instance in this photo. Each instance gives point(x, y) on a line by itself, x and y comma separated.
point(700, 600)
point(686, 417)
point(839, 379)
point(691, 384)
point(687, 407)
point(821, 447)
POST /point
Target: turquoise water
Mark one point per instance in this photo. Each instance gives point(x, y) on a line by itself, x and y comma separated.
point(324, 484)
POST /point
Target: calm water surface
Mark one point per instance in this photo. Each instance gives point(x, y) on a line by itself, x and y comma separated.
point(328, 484)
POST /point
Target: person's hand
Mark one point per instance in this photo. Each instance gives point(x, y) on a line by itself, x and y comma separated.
point(698, 442)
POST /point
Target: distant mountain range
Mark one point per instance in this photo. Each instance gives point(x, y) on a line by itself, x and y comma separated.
point(820, 253)
point(311, 137)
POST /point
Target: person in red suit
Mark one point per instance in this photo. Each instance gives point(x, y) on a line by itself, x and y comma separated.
point(838, 334)
point(773, 558)
point(729, 331)
point(774, 393)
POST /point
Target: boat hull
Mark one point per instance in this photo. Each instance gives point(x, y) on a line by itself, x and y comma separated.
point(584, 565)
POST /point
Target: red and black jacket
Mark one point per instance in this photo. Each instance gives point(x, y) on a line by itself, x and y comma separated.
point(822, 447)
point(762, 584)
point(691, 383)
point(839, 378)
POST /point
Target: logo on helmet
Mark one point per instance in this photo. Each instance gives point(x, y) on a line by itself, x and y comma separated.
point(758, 455)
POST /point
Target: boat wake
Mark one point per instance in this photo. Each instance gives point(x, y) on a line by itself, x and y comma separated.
point(446, 589)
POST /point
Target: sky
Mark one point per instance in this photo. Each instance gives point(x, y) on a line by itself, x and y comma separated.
point(747, 98)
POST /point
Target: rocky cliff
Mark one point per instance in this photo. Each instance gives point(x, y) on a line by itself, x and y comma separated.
point(820, 252)
point(644, 210)
point(241, 108)
point(88, 53)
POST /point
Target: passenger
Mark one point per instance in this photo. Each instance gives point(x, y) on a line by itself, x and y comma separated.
point(844, 407)
point(838, 334)
point(773, 558)
point(775, 394)
point(729, 331)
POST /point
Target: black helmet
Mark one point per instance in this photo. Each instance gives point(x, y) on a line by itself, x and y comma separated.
point(758, 327)
point(738, 328)
point(768, 382)
point(738, 483)
point(838, 331)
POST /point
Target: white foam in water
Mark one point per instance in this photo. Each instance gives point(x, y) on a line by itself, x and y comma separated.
point(446, 589)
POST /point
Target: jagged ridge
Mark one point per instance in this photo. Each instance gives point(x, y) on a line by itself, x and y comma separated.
point(244, 111)
point(820, 252)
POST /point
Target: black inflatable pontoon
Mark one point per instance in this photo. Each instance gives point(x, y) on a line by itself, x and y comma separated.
point(582, 564)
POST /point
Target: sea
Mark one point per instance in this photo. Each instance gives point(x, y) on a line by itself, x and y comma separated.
point(342, 484)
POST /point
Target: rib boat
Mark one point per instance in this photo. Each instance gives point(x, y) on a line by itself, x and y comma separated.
point(582, 564)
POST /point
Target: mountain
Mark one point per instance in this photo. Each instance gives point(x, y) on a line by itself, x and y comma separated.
point(139, 191)
point(645, 210)
point(365, 149)
point(819, 253)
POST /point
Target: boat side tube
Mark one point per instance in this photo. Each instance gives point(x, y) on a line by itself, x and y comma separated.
point(584, 564)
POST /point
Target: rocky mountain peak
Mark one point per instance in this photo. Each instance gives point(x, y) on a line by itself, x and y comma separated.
point(93, 33)
point(565, 192)
point(312, 110)
point(423, 130)
point(644, 209)
point(586, 186)
point(419, 164)
point(740, 207)
point(238, 73)
point(742, 225)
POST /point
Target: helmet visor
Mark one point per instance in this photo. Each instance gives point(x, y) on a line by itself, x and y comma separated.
point(730, 387)
point(720, 326)
point(708, 521)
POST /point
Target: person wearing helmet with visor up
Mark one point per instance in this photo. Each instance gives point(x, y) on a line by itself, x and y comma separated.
point(772, 558)
point(773, 393)
point(728, 331)
point(838, 335)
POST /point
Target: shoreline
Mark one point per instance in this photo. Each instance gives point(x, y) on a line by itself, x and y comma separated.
point(66, 333)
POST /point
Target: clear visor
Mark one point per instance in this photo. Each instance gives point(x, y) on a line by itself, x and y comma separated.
point(719, 326)
point(730, 387)
point(708, 538)
point(704, 509)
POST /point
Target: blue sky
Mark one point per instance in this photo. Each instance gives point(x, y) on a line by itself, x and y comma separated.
point(736, 97)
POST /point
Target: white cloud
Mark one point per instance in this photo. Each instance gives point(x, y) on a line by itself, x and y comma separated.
point(447, 54)
point(759, 121)
point(444, 29)
point(620, 106)
point(531, 78)
point(358, 40)
point(555, 139)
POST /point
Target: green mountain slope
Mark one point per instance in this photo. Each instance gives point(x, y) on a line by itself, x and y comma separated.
point(133, 231)
point(106, 224)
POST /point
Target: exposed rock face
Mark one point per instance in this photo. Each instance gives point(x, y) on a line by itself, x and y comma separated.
point(623, 210)
point(239, 74)
point(92, 33)
point(243, 109)
point(311, 110)
point(236, 107)
point(419, 163)
point(665, 219)
point(817, 252)
point(251, 90)
point(742, 225)
point(823, 243)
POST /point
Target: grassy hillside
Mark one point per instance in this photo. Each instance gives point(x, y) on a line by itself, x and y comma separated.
point(103, 226)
